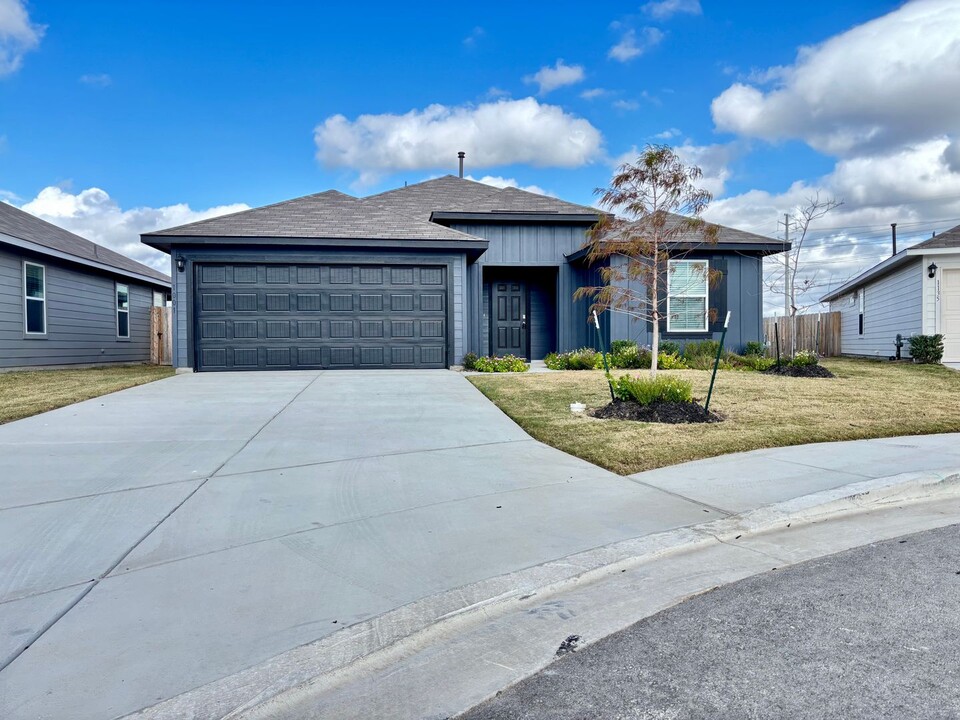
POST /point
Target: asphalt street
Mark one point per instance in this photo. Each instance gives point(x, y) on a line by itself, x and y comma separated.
point(872, 632)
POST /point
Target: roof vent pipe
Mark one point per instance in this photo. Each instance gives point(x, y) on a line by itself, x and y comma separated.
point(461, 155)
point(893, 228)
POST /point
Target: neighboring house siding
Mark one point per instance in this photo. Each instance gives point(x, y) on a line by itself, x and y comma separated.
point(892, 305)
point(81, 317)
point(740, 291)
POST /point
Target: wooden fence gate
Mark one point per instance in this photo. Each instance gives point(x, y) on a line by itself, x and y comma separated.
point(819, 332)
point(161, 339)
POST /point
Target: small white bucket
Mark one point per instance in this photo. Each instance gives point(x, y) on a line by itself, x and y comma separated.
point(577, 408)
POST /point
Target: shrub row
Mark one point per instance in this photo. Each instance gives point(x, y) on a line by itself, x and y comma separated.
point(494, 364)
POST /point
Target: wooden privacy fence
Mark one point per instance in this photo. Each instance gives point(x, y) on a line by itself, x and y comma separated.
point(823, 340)
point(161, 339)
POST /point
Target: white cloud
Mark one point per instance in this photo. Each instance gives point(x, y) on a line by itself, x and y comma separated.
point(668, 134)
point(665, 9)
point(913, 186)
point(630, 46)
point(502, 182)
point(887, 82)
point(93, 214)
point(593, 93)
point(474, 37)
point(626, 104)
point(505, 132)
point(550, 78)
point(18, 35)
point(96, 79)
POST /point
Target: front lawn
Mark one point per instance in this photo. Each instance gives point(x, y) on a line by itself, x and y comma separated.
point(867, 399)
point(28, 392)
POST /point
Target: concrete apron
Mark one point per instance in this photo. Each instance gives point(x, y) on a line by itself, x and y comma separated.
point(444, 654)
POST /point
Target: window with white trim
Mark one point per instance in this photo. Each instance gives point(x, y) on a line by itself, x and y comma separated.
point(34, 299)
point(123, 311)
point(688, 295)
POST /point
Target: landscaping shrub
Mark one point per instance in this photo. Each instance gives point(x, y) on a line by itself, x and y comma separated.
point(618, 346)
point(627, 355)
point(470, 361)
point(751, 361)
point(582, 359)
point(647, 391)
point(754, 347)
point(669, 347)
point(504, 363)
point(671, 361)
point(804, 358)
point(703, 348)
point(926, 349)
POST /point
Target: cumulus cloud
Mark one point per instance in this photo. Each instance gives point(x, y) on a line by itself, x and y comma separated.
point(93, 214)
point(18, 35)
point(593, 93)
point(502, 182)
point(881, 84)
point(631, 46)
point(504, 132)
point(713, 160)
point(626, 104)
point(550, 78)
point(913, 186)
point(665, 9)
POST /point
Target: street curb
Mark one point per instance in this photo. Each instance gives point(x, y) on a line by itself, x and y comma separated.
point(324, 661)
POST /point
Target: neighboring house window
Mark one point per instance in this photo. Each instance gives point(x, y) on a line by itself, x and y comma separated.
point(687, 295)
point(34, 299)
point(123, 311)
point(860, 295)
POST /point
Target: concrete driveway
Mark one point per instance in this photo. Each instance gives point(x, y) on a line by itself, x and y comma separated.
point(160, 538)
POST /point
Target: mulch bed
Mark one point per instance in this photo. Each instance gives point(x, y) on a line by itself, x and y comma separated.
point(808, 371)
point(666, 412)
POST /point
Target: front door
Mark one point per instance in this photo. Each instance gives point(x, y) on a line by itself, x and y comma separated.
point(509, 319)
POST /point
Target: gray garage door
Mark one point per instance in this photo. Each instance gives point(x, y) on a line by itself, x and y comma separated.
point(280, 316)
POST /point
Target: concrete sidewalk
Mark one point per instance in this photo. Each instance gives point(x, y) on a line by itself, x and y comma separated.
point(166, 537)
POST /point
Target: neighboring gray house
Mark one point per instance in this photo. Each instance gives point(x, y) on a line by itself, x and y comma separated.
point(915, 292)
point(415, 277)
point(67, 301)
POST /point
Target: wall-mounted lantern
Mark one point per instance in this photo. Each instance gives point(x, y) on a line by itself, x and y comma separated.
point(181, 265)
point(931, 270)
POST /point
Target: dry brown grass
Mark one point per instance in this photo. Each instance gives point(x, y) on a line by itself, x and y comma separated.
point(867, 399)
point(28, 392)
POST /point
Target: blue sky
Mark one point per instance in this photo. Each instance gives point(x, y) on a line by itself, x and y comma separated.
point(162, 112)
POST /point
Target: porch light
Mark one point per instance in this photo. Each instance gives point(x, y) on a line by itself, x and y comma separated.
point(931, 270)
point(181, 264)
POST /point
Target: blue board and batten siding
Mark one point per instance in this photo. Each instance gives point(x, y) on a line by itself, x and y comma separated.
point(891, 305)
point(531, 246)
point(81, 317)
point(739, 290)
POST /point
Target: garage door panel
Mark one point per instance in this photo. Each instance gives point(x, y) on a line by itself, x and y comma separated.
point(276, 316)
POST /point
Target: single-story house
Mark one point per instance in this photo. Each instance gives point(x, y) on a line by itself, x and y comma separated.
point(915, 292)
point(416, 277)
point(65, 300)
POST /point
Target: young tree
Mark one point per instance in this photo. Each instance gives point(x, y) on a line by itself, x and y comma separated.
point(655, 207)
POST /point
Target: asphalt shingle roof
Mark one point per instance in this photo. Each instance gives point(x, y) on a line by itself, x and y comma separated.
point(454, 194)
point(948, 239)
point(325, 215)
point(21, 224)
point(725, 235)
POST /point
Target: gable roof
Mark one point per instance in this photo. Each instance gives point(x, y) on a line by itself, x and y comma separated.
point(49, 239)
point(327, 215)
point(944, 241)
point(453, 195)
